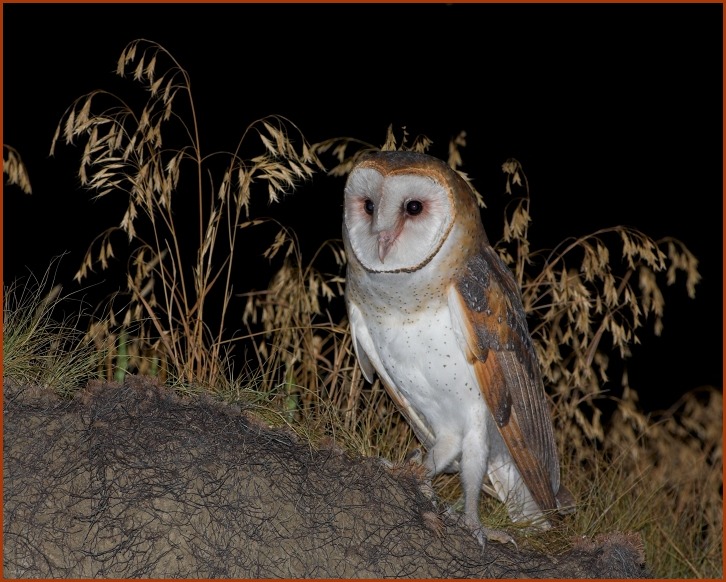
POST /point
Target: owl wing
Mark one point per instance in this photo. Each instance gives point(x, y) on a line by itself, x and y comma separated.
point(486, 305)
point(370, 362)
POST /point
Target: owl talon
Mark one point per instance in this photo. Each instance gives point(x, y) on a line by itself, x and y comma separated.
point(498, 535)
point(415, 456)
point(484, 534)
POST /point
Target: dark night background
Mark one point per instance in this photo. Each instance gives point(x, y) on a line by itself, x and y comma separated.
point(615, 112)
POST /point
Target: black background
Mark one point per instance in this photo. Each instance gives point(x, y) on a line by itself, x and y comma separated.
point(615, 112)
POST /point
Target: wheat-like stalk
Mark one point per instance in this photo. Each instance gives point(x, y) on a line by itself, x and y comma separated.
point(15, 169)
point(586, 300)
point(575, 295)
point(126, 154)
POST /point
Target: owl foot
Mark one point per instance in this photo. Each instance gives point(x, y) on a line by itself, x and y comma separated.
point(497, 535)
point(415, 456)
point(485, 534)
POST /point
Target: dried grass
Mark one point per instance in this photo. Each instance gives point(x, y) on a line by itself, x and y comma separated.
point(587, 301)
point(43, 344)
point(171, 282)
point(15, 170)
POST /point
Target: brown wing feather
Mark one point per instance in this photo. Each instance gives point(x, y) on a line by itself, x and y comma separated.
point(495, 331)
point(497, 390)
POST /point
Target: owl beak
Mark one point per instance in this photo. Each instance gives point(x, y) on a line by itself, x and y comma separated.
point(386, 239)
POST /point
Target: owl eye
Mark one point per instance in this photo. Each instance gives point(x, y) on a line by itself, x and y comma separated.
point(414, 207)
point(368, 206)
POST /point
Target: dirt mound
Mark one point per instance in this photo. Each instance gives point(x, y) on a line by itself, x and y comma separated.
point(131, 481)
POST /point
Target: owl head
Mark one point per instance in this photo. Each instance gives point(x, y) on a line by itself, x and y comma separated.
point(401, 207)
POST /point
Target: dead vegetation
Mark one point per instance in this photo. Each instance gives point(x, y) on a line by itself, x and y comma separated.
point(15, 170)
point(587, 301)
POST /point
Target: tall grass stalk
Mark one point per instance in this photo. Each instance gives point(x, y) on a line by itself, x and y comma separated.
point(175, 277)
point(587, 300)
point(15, 170)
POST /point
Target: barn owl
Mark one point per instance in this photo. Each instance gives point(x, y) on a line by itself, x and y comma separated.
point(438, 316)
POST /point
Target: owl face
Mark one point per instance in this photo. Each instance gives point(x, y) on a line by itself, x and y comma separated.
point(397, 217)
